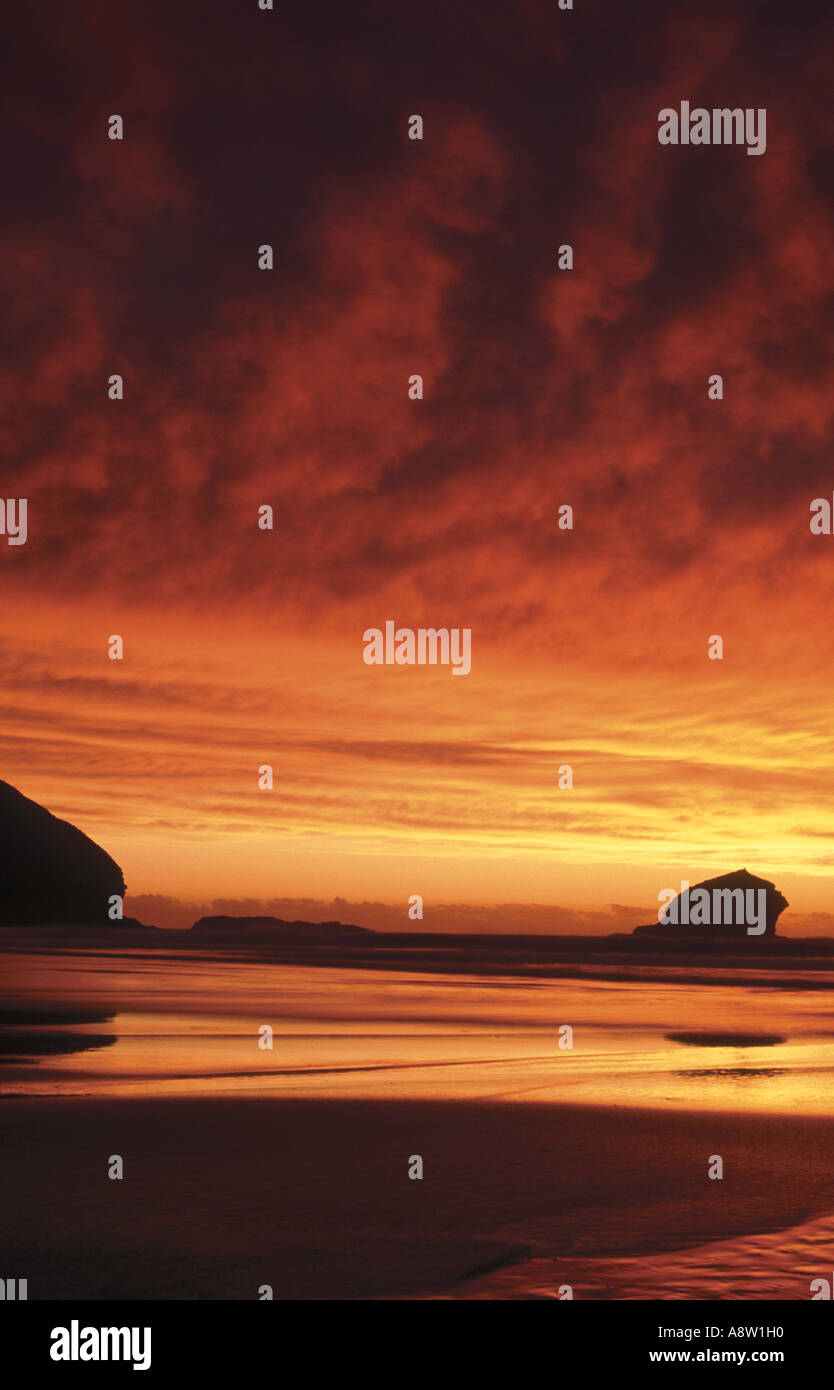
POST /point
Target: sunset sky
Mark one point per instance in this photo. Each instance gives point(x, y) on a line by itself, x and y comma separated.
point(542, 387)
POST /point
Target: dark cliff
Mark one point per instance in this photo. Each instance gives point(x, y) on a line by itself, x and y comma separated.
point(50, 872)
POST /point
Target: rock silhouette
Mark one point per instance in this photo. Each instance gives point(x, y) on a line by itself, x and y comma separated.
point(721, 915)
point(50, 872)
point(271, 928)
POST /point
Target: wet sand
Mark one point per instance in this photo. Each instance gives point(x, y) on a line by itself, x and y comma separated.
point(313, 1197)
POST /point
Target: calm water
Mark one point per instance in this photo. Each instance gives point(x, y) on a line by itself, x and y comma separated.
point(780, 1266)
point(156, 1025)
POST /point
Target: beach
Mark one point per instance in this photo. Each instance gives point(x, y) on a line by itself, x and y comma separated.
point(220, 1197)
point(567, 1130)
